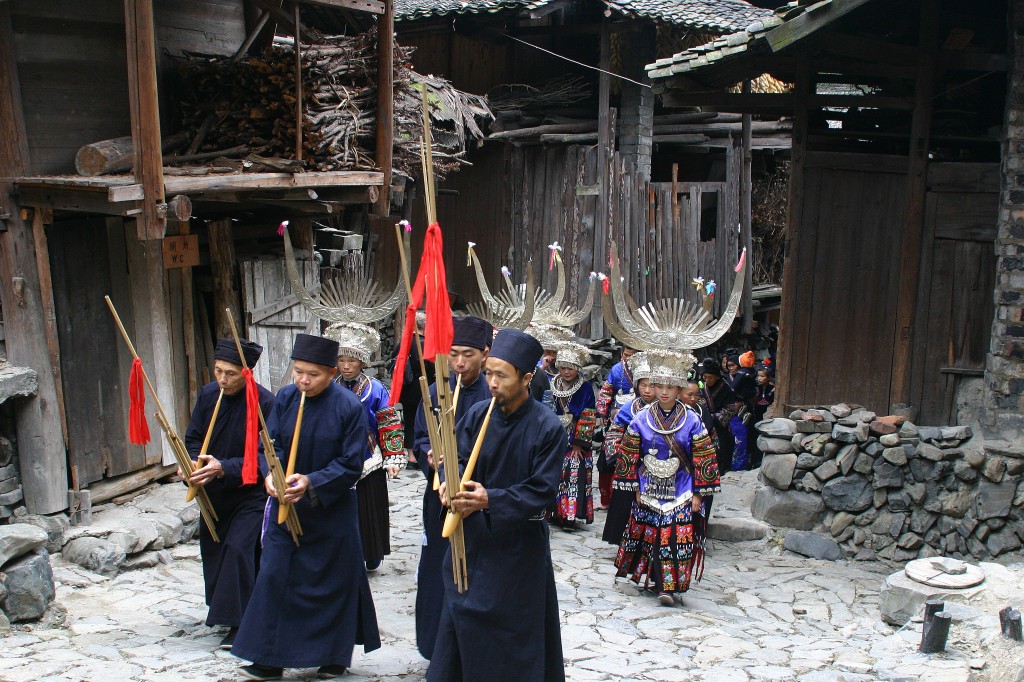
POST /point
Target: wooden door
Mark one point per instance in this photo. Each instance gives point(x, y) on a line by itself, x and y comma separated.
point(274, 315)
point(846, 281)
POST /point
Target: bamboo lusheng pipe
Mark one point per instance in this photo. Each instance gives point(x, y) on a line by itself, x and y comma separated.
point(455, 406)
point(206, 442)
point(455, 518)
point(269, 454)
point(293, 454)
point(177, 446)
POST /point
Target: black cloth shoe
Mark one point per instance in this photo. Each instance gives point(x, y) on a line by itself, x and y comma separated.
point(261, 672)
point(373, 565)
point(327, 672)
point(229, 639)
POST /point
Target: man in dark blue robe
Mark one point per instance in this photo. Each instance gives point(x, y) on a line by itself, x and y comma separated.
point(505, 625)
point(229, 566)
point(470, 341)
point(312, 603)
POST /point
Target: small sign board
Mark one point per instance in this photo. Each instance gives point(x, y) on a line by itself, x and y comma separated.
point(181, 251)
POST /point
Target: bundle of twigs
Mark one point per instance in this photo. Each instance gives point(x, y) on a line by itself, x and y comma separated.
point(251, 102)
point(558, 92)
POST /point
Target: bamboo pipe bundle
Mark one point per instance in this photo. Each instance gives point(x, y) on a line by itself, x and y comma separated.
point(454, 520)
point(206, 441)
point(177, 446)
point(283, 508)
point(273, 463)
point(450, 456)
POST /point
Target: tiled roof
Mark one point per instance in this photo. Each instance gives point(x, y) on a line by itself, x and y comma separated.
point(756, 38)
point(420, 9)
point(718, 16)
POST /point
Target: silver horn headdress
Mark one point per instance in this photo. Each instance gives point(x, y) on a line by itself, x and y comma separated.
point(669, 329)
point(513, 307)
point(344, 299)
point(548, 308)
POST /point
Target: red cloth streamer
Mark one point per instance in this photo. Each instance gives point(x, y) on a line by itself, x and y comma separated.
point(138, 429)
point(606, 286)
point(250, 465)
point(432, 282)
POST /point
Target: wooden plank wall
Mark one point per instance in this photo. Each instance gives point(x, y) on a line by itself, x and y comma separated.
point(845, 280)
point(264, 282)
point(61, 47)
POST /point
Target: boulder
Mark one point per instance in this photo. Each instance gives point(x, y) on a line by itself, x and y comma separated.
point(841, 410)
point(848, 493)
point(921, 521)
point(56, 527)
point(12, 498)
point(895, 456)
point(808, 484)
point(96, 554)
point(1002, 541)
point(816, 444)
point(777, 470)
point(910, 541)
point(17, 539)
point(827, 471)
point(965, 472)
point(778, 427)
point(864, 464)
point(866, 416)
point(826, 415)
point(929, 452)
point(737, 530)
point(956, 504)
point(922, 470)
point(975, 458)
point(846, 458)
point(903, 598)
point(956, 432)
point(929, 433)
point(850, 434)
point(873, 448)
point(787, 508)
point(29, 582)
point(812, 545)
point(811, 426)
point(886, 475)
point(808, 461)
point(840, 522)
point(880, 428)
point(898, 500)
point(994, 499)
point(889, 440)
point(896, 420)
point(909, 430)
point(994, 469)
point(770, 445)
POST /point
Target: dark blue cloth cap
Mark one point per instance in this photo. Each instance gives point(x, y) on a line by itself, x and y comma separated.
point(315, 349)
point(472, 332)
point(517, 348)
point(227, 351)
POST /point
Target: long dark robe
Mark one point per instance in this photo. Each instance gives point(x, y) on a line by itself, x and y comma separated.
point(429, 585)
point(229, 566)
point(505, 625)
point(312, 603)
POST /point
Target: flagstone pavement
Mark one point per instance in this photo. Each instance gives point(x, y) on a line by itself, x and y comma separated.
point(759, 614)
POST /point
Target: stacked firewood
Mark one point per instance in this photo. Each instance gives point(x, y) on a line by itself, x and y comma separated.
point(250, 103)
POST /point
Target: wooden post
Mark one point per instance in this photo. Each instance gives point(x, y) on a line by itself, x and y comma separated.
point(913, 222)
point(1009, 624)
point(143, 99)
point(794, 232)
point(42, 455)
point(605, 143)
point(222, 262)
point(385, 102)
point(188, 324)
point(298, 83)
point(934, 633)
point(746, 236)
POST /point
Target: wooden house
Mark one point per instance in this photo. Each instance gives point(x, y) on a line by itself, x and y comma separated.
point(902, 280)
point(584, 168)
point(73, 73)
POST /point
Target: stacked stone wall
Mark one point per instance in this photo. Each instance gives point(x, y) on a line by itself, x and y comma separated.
point(885, 487)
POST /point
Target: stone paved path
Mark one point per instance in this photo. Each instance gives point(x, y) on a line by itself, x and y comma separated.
point(760, 613)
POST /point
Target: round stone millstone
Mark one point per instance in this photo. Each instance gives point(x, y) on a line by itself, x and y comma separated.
point(944, 572)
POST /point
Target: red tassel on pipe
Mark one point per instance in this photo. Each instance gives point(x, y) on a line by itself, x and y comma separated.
point(138, 429)
point(431, 281)
point(250, 465)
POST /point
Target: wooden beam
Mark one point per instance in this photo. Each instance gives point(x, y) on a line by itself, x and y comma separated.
point(794, 232)
point(286, 19)
point(368, 6)
point(731, 101)
point(385, 103)
point(77, 200)
point(225, 269)
point(795, 30)
point(144, 102)
point(37, 422)
point(39, 221)
point(190, 185)
point(605, 142)
point(906, 336)
point(862, 47)
point(747, 239)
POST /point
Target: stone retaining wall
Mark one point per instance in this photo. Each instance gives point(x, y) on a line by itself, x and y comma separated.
point(882, 486)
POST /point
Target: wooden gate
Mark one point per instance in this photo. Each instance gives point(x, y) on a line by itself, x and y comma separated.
point(274, 315)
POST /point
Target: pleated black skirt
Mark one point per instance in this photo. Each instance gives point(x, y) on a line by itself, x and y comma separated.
point(374, 520)
point(618, 516)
